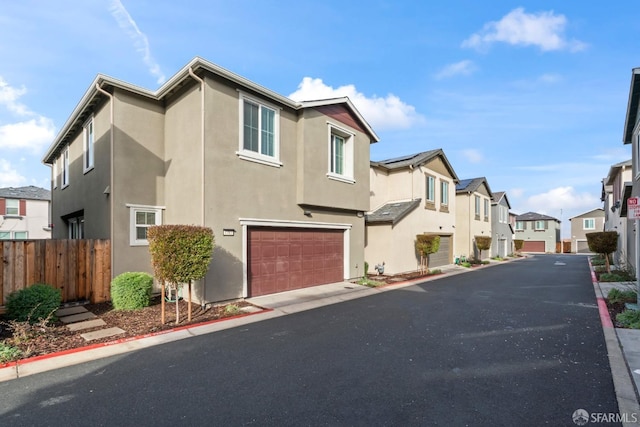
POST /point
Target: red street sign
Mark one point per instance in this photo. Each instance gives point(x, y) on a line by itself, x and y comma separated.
point(633, 209)
point(632, 201)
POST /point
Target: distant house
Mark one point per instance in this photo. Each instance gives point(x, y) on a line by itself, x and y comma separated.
point(616, 188)
point(283, 184)
point(539, 232)
point(501, 229)
point(473, 216)
point(410, 195)
point(24, 213)
point(582, 224)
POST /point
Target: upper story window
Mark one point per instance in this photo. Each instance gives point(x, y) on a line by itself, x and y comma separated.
point(477, 207)
point(54, 172)
point(486, 209)
point(503, 214)
point(340, 154)
point(88, 145)
point(444, 193)
point(12, 207)
point(539, 225)
point(519, 225)
point(430, 194)
point(65, 167)
point(259, 132)
point(589, 224)
point(141, 218)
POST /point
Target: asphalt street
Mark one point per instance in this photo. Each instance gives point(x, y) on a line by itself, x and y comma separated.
point(519, 344)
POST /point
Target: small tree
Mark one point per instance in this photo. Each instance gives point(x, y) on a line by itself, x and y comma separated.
point(518, 244)
point(426, 244)
point(180, 254)
point(483, 243)
point(603, 242)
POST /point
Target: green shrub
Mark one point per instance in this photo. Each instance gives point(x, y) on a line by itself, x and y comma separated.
point(629, 319)
point(465, 264)
point(366, 268)
point(232, 310)
point(597, 261)
point(365, 281)
point(34, 303)
point(435, 271)
point(131, 291)
point(616, 296)
point(8, 353)
point(517, 244)
point(616, 276)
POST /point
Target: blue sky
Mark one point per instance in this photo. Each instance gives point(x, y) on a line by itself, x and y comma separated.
point(531, 95)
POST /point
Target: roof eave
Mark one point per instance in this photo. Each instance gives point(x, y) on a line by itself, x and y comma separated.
point(632, 106)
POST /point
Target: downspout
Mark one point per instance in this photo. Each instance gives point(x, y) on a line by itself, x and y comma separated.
point(111, 187)
point(202, 163)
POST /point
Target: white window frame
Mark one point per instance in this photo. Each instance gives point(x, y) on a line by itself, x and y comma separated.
point(444, 193)
point(257, 156)
point(5, 235)
point(519, 225)
point(133, 210)
point(477, 206)
point(430, 190)
point(16, 233)
point(65, 167)
point(54, 172)
point(88, 145)
point(15, 210)
point(486, 209)
point(76, 228)
point(593, 224)
point(347, 154)
point(535, 225)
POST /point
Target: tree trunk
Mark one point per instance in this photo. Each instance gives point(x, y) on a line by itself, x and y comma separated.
point(189, 315)
point(177, 306)
point(164, 290)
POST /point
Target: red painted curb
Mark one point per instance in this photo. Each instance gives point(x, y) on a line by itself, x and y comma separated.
point(604, 313)
point(128, 339)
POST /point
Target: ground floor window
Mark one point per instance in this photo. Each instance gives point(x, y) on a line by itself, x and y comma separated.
point(15, 235)
point(76, 227)
point(141, 218)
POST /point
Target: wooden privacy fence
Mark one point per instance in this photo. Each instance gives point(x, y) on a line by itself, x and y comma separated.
point(81, 269)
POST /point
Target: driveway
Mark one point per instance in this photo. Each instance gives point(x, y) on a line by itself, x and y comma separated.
point(515, 344)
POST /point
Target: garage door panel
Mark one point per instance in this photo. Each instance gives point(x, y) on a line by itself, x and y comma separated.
point(284, 259)
point(533, 246)
point(442, 257)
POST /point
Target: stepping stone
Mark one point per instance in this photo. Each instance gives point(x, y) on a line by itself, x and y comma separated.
point(78, 317)
point(86, 324)
point(102, 333)
point(70, 310)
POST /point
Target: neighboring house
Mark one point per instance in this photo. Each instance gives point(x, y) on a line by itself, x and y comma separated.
point(473, 216)
point(410, 195)
point(616, 188)
point(631, 135)
point(284, 185)
point(24, 213)
point(582, 224)
point(540, 232)
point(501, 229)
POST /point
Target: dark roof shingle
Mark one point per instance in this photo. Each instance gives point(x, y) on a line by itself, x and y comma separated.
point(28, 193)
point(392, 212)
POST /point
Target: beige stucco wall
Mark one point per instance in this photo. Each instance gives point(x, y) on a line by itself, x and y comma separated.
point(34, 222)
point(578, 233)
point(467, 226)
point(396, 245)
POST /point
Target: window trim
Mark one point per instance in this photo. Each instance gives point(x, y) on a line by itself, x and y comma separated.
point(348, 157)
point(444, 192)
point(6, 208)
point(5, 235)
point(521, 228)
point(65, 167)
point(535, 225)
point(133, 209)
point(88, 145)
point(257, 156)
point(584, 223)
point(54, 172)
point(486, 209)
point(477, 207)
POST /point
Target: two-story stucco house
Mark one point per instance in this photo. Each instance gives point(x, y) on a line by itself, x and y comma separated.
point(631, 135)
point(587, 222)
point(24, 213)
point(473, 216)
point(410, 195)
point(540, 232)
point(501, 228)
point(616, 188)
point(284, 185)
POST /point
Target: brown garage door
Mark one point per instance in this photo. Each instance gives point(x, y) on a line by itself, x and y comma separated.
point(533, 246)
point(441, 257)
point(282, 259)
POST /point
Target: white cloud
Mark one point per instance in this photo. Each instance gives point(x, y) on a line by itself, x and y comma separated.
point(140, 40)
point(10, 177)
point(472, 155)
point(565, 198)
point(515, 193)
point(544, 30)
point(9, 98)
point(32, 135)
point(464, 68)
point(381, 113)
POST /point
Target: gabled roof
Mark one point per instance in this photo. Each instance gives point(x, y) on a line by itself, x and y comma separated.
point(26, 193)
point(615, 169)
point(599, 210)
point(93, 96)
point(415, 160)
point(632, 106)
point(497, 196)
point(533, 216)
point(471, 185)
point(392, 212)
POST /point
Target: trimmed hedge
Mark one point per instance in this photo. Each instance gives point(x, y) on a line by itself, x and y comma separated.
point(131, 291)
point(32, 304)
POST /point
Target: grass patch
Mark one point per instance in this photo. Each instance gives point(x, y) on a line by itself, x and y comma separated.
point(365, 281)
point(629, 319)
point(616, 276)
point(8, 353)
point(617, 296)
